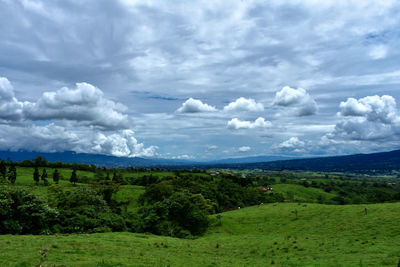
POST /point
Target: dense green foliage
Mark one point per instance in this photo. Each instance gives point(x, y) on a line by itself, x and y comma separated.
point(179, 205)
point(175, 203)
point(12, 174)
point(23, 213)
point(80, 210)
point(178, 215)
point(3, 170)
point(85, 210)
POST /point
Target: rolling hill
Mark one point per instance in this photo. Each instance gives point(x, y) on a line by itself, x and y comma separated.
point(266, 235)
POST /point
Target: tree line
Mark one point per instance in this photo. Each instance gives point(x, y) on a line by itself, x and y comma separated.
point(176, 205)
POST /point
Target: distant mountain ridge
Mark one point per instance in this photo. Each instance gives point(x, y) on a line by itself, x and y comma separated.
point(97, 159)
point(124, 162)
point(381, 162)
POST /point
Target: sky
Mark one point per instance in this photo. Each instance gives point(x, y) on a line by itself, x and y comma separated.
point(200, 80)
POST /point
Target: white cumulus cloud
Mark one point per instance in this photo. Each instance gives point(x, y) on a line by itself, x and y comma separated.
point(373, 108)
point(10, 107)
point(121, 143)
point(291, 143)
point(72, 114)
point(244, 149)
point(369, 118)
point(195, 106)
point(236, 124)
point(85, 103)
point(298, 99)
point(53, 138)
point(244, 104)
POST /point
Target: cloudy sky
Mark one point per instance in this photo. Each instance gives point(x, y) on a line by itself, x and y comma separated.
point(200, 79)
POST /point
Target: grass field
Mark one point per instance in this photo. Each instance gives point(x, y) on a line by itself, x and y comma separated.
point(131, 194)
point(281, 234)
point(299, 193)
point(266, 235)
point(25, 175)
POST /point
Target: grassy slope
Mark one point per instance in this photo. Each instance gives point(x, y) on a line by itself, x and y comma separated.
point(321, 236)
point(301, 193)
point(25, 175)
point(130, 193)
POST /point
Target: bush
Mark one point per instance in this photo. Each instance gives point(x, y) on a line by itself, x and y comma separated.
point(84, 210)
point(23, 213)
point(180, 215)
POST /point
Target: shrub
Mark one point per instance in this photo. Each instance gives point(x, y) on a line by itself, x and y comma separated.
point(180, 215)
point(24, 213)
point(84, 210)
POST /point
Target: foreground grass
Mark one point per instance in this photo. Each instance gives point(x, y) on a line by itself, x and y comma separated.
point(322, 235)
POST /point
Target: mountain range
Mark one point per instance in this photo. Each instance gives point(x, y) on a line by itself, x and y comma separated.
point(380, 162)
point(124, 162)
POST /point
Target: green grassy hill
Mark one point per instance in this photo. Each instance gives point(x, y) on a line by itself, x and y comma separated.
point(299, 193)
point(25, 175)
point(281, 234)
point(265, 235)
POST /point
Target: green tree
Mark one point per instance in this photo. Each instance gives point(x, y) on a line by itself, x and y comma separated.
point(12, 174)
point(74, 178)
point(40, 161)
point(36, 175)
point(157, 192)
point(56, 176)
point(84, 210)
point(44, 177)
point(106, 189)
point(23, 213)
point(181, 215)
point(117, 177)
point(3, 170)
